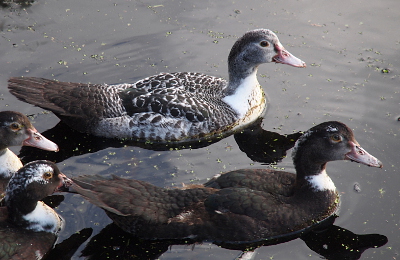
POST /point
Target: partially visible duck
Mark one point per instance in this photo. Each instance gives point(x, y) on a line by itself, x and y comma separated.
point(17, 130)
point(28, 227)
point(168, 107)
point(246, 205)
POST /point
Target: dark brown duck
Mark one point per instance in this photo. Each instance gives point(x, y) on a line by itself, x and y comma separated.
point(239, 206)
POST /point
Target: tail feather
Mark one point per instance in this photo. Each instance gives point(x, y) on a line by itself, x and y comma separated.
point(34, 91)
point(67, 99)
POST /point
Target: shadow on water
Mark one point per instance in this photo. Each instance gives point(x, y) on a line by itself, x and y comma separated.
point(258, 144)
point(328, 240)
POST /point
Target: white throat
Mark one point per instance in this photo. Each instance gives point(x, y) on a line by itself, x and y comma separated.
point(321, 182)
point(247, 95)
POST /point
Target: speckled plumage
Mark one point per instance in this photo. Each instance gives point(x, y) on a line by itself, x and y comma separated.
point(245, 205)
point(175, 107)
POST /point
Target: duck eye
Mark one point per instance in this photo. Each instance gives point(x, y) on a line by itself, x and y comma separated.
point(264, 44)
point(336, 138)
point(15, 126)
point(47, 175)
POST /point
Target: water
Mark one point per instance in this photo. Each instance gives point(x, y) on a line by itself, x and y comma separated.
point(347, 45)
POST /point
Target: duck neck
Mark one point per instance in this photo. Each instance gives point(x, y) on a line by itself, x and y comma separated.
point(19, 205)
point(243, 94)
point(312, 175)
point(29, 213)
point(240, 69)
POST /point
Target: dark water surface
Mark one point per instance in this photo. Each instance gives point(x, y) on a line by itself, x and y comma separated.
point(352, 52)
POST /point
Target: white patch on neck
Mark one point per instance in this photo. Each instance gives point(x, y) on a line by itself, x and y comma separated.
point(9, 164)
point(246, 95)
point(43, 218)
point(321, 182)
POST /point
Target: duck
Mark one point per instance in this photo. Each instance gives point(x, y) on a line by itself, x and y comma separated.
point(168, 107)
point(28, 227)
point(17, 130)
point(240, 206)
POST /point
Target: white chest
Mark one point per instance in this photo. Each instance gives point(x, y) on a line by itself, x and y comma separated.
point(44, 218)
point(321, 182)
point(247, 96)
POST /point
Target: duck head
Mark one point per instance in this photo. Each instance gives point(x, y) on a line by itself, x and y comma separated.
point(33, 182)
point(261, 46)
point(330, 141)
point(17, 130)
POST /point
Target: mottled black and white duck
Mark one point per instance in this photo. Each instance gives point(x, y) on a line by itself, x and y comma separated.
point(246, 205)
point(168, 107)
point(28, 227)
point(17, 130)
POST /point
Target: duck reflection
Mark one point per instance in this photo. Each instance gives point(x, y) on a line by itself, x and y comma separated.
point(67, 248)
point(264, 146)
point(16, 3)
point(258, 144)
point(331, 242)
point(337, 243)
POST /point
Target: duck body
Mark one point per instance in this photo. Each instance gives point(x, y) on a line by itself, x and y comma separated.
point(28, 227)
point(17, 130)
point(246, 205)
point(231, 215)
point(168, 107)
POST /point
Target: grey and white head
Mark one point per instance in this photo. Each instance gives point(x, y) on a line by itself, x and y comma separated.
point(260, 46)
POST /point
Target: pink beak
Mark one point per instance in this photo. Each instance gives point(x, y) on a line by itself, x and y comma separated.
point(37, 140)
point(286, 57)
point(358, 154)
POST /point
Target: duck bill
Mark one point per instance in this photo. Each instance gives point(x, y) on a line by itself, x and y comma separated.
point(37, 140)
point(286, 57)
point(358, 154)
point(65, 183)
